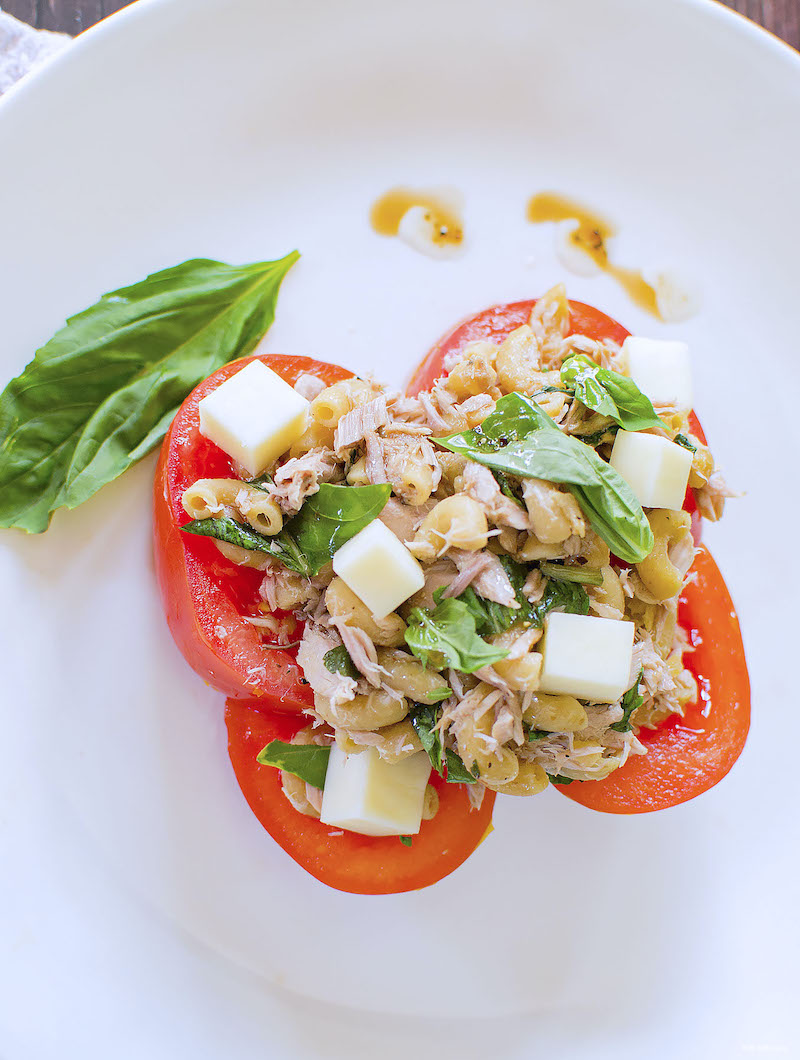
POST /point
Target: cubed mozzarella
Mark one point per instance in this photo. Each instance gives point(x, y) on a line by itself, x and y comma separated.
point(254, 416)
point(363, 793)
point(661, 369)
point(379, 569)
point(586, 656)
point(656, 469)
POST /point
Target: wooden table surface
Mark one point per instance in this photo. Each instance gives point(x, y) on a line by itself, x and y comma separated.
point(781, 17)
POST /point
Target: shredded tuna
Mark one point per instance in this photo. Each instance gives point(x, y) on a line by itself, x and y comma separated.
point(432, 414)
point(309, 386)
point(359, 422)
point(486, 571)
point(479, 483)
point(335, 687)
point(300, 477)
point(711, 497)
point(374, 465)
point(404, 519)
point(507, 726)
point(361, 650)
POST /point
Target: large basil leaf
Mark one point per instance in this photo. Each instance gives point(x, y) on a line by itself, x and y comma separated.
point(520, 439)
point(446, 762)
point(446, 636)
point(307, 761)
point(102, 392)
point(307, 542)
point(609, 393)
point(330, 517)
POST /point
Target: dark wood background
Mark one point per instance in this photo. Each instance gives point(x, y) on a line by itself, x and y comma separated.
point(781, 17)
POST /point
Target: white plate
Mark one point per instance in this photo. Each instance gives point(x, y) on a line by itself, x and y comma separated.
point(148, 913)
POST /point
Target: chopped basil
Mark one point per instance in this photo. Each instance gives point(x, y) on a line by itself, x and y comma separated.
point(559, 780)
point(281, 546)
point(560, 596)
point(307, 761)
point(630, 702)
point(520, 439)
point(681, 439)
point(405, 840)
point(491, 617)
point(609, 393)
point(560, 572)
point(446, 762)
point(102, 392)
point(338, 661)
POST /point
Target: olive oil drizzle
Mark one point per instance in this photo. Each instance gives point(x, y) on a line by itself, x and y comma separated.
point(388, 211)
point(591, 236)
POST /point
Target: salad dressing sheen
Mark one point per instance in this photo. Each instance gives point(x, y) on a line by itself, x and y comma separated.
point(591, 234)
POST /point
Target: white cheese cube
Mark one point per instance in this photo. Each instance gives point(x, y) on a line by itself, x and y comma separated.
point(254, 417)
point(379, 569)
point(656, 469)
point(586, 656)
point(363, 793)
point(661, 369)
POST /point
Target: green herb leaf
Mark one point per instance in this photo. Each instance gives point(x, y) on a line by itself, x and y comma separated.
point(307, 542)
point(609, 393)
point(282, 546)
point(507, 488)
point(102, 392)
point(338, 661)
point(491, 617)
point(330, 517)
point(521, 439)
point(405, 840)
point(562, 572)
point(532, 734)
point(446, 762)
point(559, 780)
point(630, 702)
point(560, 596)
point(439, 695)
point(681, 439)
point(307, 761)
point(446, 636)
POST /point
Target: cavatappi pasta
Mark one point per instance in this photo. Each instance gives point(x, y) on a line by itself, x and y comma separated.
point(459, 521)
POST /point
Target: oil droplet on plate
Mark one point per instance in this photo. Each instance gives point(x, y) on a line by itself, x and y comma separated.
point(582, 245)
point(429, 220)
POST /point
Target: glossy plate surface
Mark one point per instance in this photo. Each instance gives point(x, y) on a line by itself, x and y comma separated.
point(147, 913)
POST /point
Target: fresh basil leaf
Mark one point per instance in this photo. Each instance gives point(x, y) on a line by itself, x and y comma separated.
point(609, 393)
point(561, 572)
point(307, 761)
point(405, 840)
point(630, 702)
point(338, 661)
point(281, 546)
point(559, 780)
point(331, 516)
point(681, 439)
point(448, 633)
point(261, 482)
point(102, 392)
point(560, 596)
point(521, 439)
point(446, 762)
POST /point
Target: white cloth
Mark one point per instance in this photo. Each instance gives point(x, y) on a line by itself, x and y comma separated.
point(23, 48)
